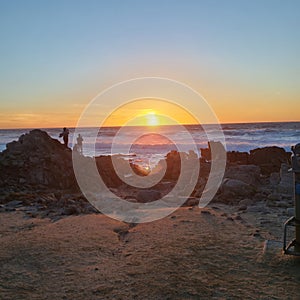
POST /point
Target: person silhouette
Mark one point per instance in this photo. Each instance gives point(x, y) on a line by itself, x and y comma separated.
point(79, 143)
point(65, 136)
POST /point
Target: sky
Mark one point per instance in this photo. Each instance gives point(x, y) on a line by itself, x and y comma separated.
point(56, 56)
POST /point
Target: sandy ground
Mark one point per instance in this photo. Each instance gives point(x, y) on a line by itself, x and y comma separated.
point(192, 254)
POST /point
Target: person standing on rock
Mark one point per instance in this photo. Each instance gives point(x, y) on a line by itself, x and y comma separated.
point(79, 143)
point(65, 136)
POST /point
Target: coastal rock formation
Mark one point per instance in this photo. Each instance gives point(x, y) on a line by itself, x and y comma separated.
point(249, 174)
point(232, 189)
point(286, 180)
point(173, 165)
point(173, 168)
point(145, 196)
point(37, 159)
point(237, 157)
point(269, 158)
point(107, 172)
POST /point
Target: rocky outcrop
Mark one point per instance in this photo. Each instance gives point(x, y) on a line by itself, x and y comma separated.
point(234, 190)
point(173, 165)
point(235, 187)
point(269, 159)
point(107, 172)
point(249, 174)
point(37, 159)
point(286, 180)
point(145, 196)
point(237, 157)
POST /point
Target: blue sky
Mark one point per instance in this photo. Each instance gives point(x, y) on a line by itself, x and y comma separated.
point(55, 56)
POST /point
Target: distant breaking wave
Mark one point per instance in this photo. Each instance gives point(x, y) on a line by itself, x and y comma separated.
point(154, 146)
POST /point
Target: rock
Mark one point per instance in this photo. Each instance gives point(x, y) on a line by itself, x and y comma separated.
point(36, 158)
point(238, 218)
point(57, 195)
point(32, 214)
point(274, 179)
point(22, 180)
point(241, 158)
point(275, 200)
point(48, 199)
point(232, 191)
point(249, 174)
point(243, 204)
point(8, 208)
point(192, 155)
point(286, 184)
point(282, 204)
point(120, 229)
point(286, 176)
point(192, 201)
point(236, 187)
point(275, 197)
point(246, 202)
point(14, 204)
point(173, 161)
point(145, 196)
point(106, 169)
point(205, 154)
point(122, 232)
point(217, 148)
point(71, 210)
point(257, 209)
point(198, 190)
point(271, 203)
point(242, 207)
point(269, 158)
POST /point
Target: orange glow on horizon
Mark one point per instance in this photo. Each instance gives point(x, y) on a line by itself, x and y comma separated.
point(149, 112)
point(153, 111)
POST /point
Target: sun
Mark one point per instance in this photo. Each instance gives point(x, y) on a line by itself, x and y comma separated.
point(152, 119)
point(149, 113)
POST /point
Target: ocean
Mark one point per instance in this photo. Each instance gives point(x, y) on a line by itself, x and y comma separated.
point(153, 143)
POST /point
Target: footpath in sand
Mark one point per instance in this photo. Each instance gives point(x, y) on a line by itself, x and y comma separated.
point(211, 253)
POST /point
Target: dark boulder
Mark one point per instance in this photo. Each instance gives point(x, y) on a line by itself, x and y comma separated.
point(107, 171)
point(145, 196)
point(173, 161)
point(269, 159)
point(37, 159)
point(236, 157)
point(249, 174)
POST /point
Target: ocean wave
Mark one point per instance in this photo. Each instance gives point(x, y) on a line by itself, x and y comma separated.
point(157, 141)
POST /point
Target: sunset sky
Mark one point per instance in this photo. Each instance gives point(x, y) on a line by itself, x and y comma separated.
point(56, 56)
